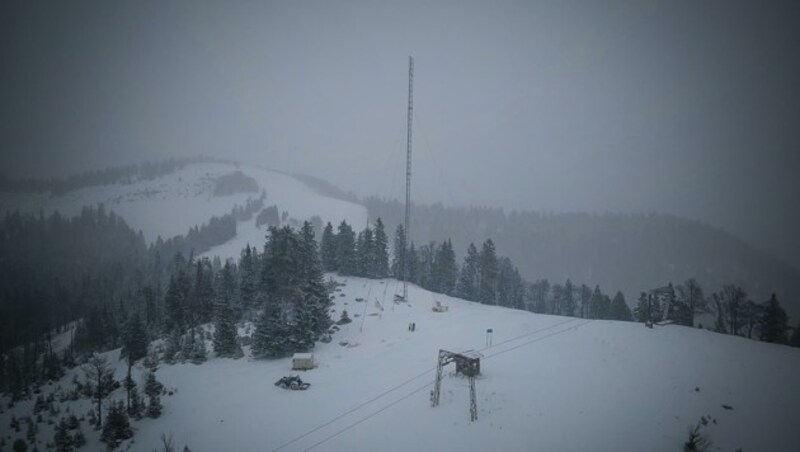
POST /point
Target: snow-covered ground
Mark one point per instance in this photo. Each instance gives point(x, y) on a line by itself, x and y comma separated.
point(170, 205)
point(547, 383)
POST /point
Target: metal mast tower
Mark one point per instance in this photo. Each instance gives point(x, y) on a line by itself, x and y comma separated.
point(407, 226)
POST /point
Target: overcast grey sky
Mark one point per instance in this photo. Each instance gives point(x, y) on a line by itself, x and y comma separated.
point(683, 107)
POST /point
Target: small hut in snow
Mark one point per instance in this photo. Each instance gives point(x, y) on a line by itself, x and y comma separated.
point(302, 361)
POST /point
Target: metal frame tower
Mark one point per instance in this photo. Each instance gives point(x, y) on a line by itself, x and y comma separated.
point(407, 226)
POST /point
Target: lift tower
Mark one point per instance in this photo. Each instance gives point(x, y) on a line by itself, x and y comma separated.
point(407, 226)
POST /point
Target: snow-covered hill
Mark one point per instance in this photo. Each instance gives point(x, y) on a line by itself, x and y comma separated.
point(170, 205)
point(547, 383)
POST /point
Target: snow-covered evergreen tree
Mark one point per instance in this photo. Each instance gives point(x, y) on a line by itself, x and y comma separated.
point(248, 278)
point(619, 308)
point(344, 319)
point(426, 276)
point(380, 256)
point(600, 304)
point(467, 287)
point(152, 389)
point(446, 270)
point(271, 333)
point(227, 288)
point(202, 296)
point(328, 249)
point(346, 250)
point(117, 428)
point(365, 254)
point(134, 348)
point(62, 439)
point(315, 296)
point(414, 268)
point(539, 292)
point(225, 334)
point(399, 252)
point(175, 302)
point(773, 322)
point(487, 273)
point(641, 313)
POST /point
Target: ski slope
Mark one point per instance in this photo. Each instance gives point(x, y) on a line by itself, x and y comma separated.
point(548, 383)
point(170, 205)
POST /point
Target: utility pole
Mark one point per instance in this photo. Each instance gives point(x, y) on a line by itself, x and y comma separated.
point(407, 230)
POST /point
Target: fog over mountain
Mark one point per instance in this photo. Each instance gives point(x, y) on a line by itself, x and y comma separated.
point(683, 108)
point(204, 243)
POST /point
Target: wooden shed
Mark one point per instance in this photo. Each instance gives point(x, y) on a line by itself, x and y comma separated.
point(302, 361)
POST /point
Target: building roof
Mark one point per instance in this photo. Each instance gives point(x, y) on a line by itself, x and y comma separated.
point(472, 354)
point(303, 356)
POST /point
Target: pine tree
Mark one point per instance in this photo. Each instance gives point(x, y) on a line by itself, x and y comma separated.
point(426, 276)
point(600, 304)
point(619, 308)
point(226, 289)
point(413, 263)
point(315, 296)
point(151, 310)
point(137, 407)
point(774, 322)
point(364, 254)
point(567, 304)
point(643, 310)
point(487, 273)
point(248, 278)
point(329, 249)
point(346, 250)
point(446, 269)
point(677, 310)
point(271, 333)
point(301, 328)
point(79, 440)
point(202, 297)
point(467, 287)
point(539, 293)
point(62, 440)
point(399, 253)
point(117, 428)
point(134, 348)
point(380, 256)
point(175, 302)
point(152, 389)
point(225, 334)
point(506, 284)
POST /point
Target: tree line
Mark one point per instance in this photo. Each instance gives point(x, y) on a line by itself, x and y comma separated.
point(629, 252)
point(95, 271)
point(732, 310)
point(107, 176)
point(488, 278)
